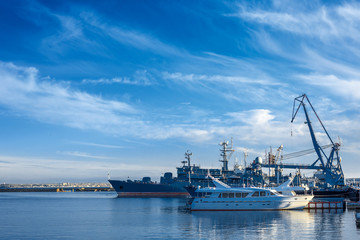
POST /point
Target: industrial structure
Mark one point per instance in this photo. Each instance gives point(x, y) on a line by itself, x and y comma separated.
point(330, 174)
point(328, 181)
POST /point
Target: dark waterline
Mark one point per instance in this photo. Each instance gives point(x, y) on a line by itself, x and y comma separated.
point(100, 215)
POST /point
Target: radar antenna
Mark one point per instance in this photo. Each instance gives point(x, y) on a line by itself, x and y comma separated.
point(187, 157)
point(225, 157)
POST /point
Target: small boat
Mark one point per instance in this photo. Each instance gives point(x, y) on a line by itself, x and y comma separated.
point(225, 198)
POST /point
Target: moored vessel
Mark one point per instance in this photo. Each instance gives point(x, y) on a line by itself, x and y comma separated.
point(168, 186)
point(225, 198)
point(147, 188)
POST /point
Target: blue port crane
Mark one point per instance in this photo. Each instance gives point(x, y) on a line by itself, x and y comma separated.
point(330, 165)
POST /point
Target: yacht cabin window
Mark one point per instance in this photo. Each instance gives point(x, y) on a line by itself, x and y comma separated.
point(234, 195)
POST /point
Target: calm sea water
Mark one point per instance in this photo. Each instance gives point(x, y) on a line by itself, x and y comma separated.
point(99, 215)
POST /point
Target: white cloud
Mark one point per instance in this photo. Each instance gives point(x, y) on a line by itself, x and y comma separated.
point(347, 88)
point(326, 48)
point(74, 33)
point(22, 92)
point(319, 62)
point(129, 37)
point(140, 78)
point(70, 36)
point(98, 145)
point(195, 78)
point(106, 80)
point(237, 88)
point(253, 117)
point(242, 150)
point(324, 22)
point(25, 94)
point(350, 12)
point(182, 131)
point(88, 155)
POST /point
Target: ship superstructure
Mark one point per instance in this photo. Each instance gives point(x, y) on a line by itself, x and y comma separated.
point(169, 186)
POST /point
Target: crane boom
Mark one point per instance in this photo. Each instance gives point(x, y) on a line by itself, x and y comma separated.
point(334, 175)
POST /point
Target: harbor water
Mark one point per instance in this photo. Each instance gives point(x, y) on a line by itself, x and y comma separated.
point(100, 215)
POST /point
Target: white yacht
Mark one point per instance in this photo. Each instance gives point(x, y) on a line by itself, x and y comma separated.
point(286, 189)
point(225, 198)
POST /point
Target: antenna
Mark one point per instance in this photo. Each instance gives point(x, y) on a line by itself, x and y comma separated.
point(245, 156)
point(236, 163)
point(224, 155)
point(187, 157)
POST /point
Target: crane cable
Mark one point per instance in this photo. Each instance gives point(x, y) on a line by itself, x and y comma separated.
point(301, 153)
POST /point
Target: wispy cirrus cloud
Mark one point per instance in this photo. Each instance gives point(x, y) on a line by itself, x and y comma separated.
point(79, 32)
point(337, 75)
point(318, 61)
point(24, 93)
point(98, 145)
point(140, 78)
point(196, 78)
point(315, 51)
point(337, 21)
point(88, 155)
point(70, 35)
point(237, 87)
point(347, 88)
point(130, 37)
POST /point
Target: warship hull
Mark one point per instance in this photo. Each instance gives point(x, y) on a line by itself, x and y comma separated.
point(130, 189)
point(347, 193)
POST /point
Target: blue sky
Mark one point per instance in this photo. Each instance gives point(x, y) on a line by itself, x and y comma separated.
point(89, 87)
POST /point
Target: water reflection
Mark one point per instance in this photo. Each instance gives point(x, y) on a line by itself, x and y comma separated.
point(259, 223)
point(329, 223)
point(168, 218)
point(99, 216)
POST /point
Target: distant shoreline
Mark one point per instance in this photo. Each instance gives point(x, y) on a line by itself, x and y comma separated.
point(57, 187)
